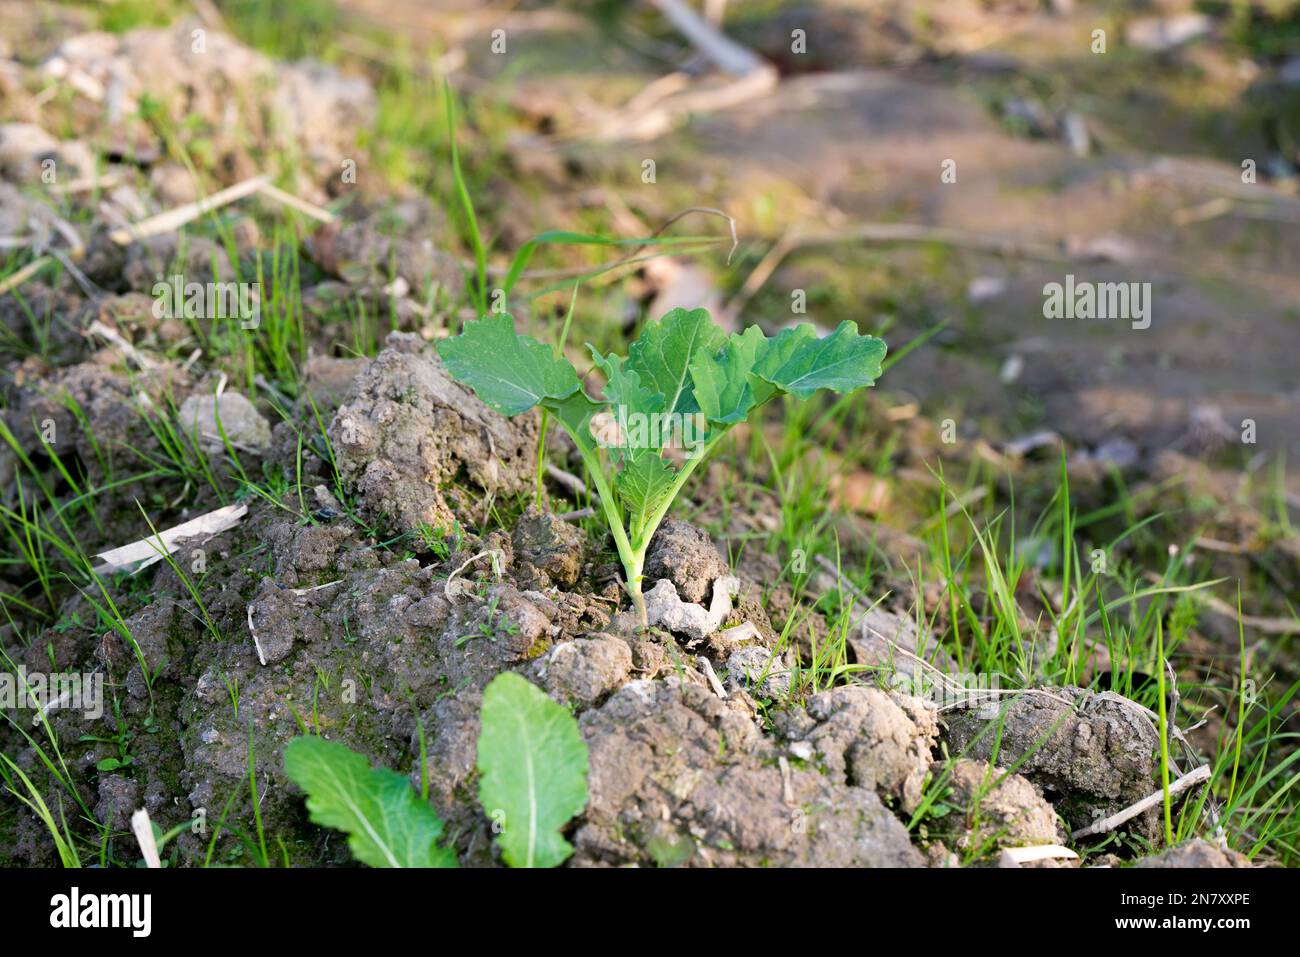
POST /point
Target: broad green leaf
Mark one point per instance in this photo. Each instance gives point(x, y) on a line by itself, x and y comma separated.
point(637, 411)
point(644, 485)
point(776, 353)
point(533, 763)
point(722, 387)
point(662, 355)
point(623, 386)
point(386, 822)
point(800, 363)
point(510, 372)
point(574, 412)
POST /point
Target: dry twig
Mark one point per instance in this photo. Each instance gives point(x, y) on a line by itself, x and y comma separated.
point(1189, 779)
point(149, 550)
point(174, 219)
point(142, 827)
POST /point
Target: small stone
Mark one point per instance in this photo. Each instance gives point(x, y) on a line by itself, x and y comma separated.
point(28, 154)
point(1120, 452)
point(665, 609)
point(982, 289)
point(754, 669)
point(882, 639)
point(244, 427)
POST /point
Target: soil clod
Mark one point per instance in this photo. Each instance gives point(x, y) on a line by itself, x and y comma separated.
point(407, 429)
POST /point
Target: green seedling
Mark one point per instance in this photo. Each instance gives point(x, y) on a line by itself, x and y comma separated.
point(386, 822)
point(488, 627)
point(532, 763)
point(682, 387)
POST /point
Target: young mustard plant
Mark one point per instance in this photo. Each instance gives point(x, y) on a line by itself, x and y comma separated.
point(683, 385)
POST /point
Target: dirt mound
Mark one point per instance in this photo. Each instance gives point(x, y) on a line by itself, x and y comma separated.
point(374, 605)
point(201, 79)
point(547, 550)
point(582, 672)
point(686, 556)
point(997, 808)
point(365, 653)
point(868, 738)
point(1090, 754)
point(679, 776)
point(407, 430)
